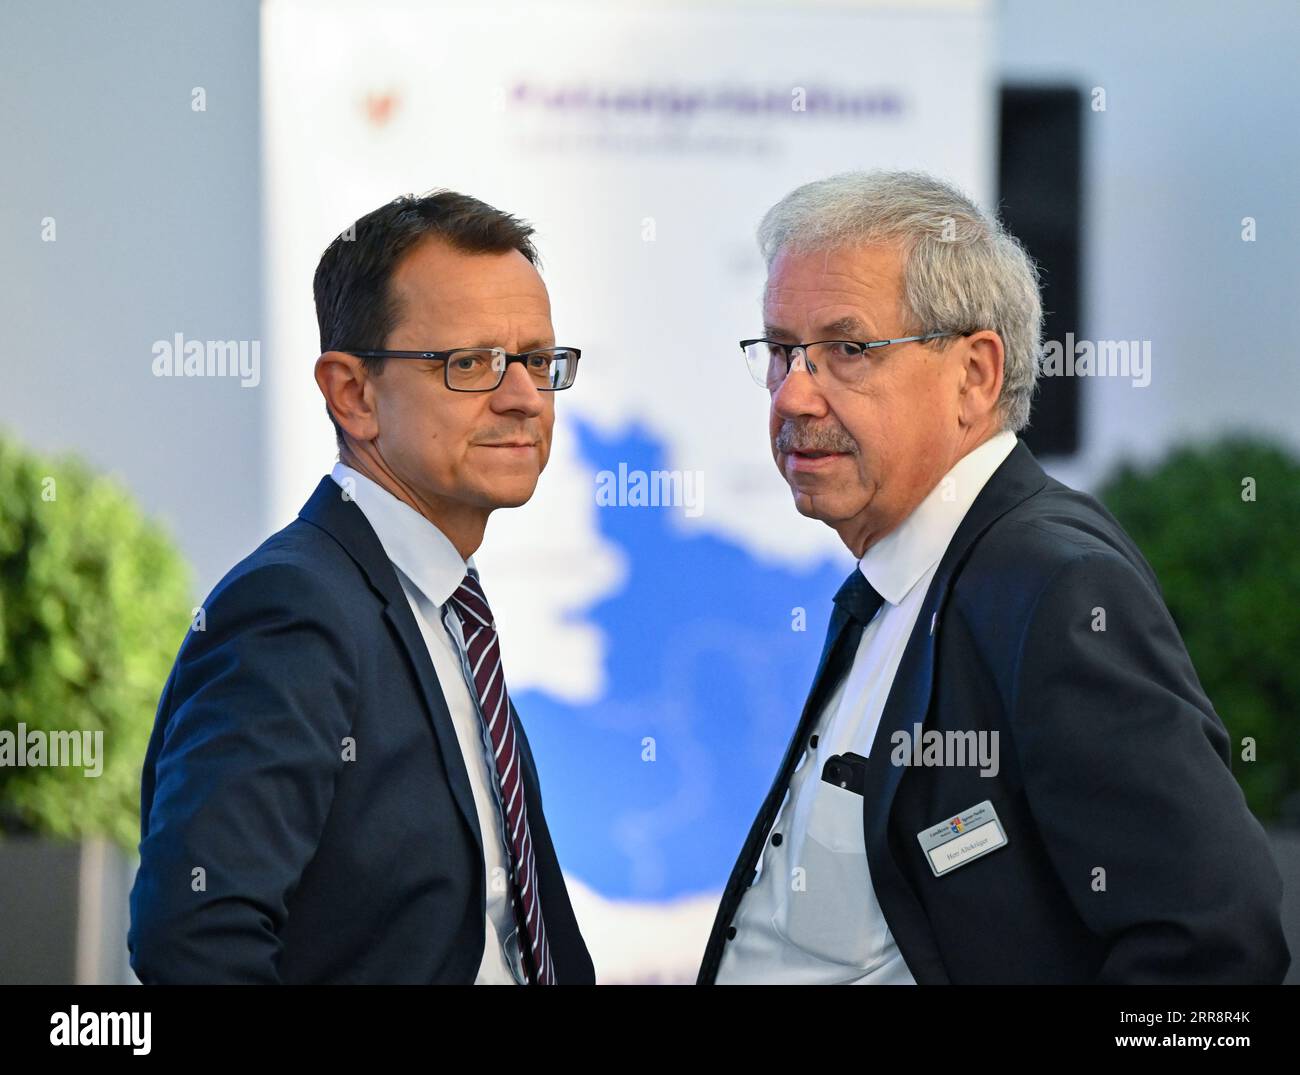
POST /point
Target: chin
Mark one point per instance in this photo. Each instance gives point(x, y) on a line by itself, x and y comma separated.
point(824, 508)
point(512, 494)
point(810, 506)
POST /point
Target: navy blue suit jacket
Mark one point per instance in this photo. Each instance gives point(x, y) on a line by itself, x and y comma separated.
point(1112, 758)
point(267, 857)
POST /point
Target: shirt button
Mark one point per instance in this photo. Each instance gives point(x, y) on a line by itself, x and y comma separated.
point(776, 839)
point(731, 933)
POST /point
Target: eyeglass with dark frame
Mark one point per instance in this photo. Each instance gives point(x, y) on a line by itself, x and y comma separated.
point(558, 372)
point(762, 361)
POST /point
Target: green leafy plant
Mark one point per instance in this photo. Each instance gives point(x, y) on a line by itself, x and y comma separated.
point(94, 601)
point(1220, 524)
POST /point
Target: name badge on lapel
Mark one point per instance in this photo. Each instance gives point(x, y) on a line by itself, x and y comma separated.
point(962, 839)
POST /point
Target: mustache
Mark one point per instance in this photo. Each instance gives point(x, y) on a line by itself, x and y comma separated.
point(797, 435)
point(504, 435)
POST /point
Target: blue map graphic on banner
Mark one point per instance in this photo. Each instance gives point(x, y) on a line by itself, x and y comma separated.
point(650, 790)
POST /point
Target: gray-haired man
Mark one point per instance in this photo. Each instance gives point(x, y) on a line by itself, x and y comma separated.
point(984, 786)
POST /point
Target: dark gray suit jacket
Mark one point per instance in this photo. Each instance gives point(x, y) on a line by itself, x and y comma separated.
point(317, 869)
point(1112, 757)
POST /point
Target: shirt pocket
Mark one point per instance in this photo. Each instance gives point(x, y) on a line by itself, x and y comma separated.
point(827, 906)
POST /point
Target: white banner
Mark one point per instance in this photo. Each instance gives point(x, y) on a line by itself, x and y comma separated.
point(644, 143)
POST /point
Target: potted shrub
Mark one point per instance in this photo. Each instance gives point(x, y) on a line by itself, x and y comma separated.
point(1220, 524)
point(94, 601)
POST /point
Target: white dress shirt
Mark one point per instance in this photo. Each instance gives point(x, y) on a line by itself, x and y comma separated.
point(430, 569)
point(811, 915)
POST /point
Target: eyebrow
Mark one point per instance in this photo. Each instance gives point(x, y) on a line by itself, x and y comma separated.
point(849, 327)
point(535, 344)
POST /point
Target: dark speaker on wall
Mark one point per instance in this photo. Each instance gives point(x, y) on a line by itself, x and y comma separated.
point(1040, 191)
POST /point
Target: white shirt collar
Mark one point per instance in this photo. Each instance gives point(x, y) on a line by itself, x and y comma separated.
point(422, 552)
point(899, 560)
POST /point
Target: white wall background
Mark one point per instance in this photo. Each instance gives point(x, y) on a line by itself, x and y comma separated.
point(158, 232)
point(1200, 130)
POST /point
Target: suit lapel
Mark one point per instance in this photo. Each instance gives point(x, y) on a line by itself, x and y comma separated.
point(568, 950)
point(1018, 478)
point(345, 522)
point(908, 705)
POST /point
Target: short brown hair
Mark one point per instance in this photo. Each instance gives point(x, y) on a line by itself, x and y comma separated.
point(356, 308)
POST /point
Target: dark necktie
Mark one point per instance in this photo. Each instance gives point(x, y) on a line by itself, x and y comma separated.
point(484, 654)
point(856, 603)
point(859, 599)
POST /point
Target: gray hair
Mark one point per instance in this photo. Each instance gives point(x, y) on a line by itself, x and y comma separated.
point(962, 271)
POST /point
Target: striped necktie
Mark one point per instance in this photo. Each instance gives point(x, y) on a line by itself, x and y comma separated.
point(484, 655)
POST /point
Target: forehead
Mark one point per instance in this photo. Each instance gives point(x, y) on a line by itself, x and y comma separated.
point(813, 288)
point(436, 283)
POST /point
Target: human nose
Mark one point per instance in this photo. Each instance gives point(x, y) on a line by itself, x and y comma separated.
point(798, 395)
point(517, 391)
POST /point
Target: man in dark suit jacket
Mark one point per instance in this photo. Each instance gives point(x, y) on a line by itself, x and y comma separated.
point(1007, 770)
point(338, 788)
